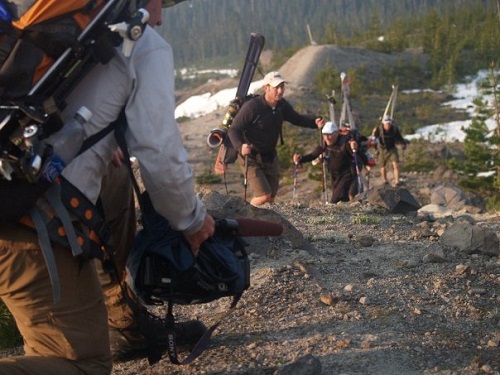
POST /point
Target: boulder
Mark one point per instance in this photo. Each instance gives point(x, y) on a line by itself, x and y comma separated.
point(231, 206)
point(449, 196)
point(396, 200)
point(471, 239)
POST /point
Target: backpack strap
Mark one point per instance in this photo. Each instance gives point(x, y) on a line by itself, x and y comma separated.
point(202, 343)
point(54, 223)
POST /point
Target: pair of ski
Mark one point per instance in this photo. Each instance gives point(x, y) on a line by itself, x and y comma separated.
point(345, 117)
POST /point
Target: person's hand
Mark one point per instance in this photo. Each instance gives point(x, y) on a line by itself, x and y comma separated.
point(206, 231)
point(246, 149)
point(296, 158)
point(320, 122)
point(118, 157)
point(354, 145)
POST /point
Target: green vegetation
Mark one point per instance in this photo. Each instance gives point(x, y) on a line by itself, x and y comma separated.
point(480, 169)
point(365, 219)
point(217, 31)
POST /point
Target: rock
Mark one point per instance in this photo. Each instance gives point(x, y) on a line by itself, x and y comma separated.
point(471, 239)
point(435, 254)
point(449, 196)
point(434, 211)
point(306, 365)
point(396, 200)
point(329, 299)
point(231, 206)
point(365, 241)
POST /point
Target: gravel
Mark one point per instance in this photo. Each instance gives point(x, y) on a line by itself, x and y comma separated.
point(377, 294)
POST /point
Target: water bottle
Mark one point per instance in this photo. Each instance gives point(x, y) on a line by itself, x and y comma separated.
point(65, 144)
point(68, 141)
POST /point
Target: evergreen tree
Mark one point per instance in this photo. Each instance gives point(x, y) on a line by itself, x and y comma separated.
point(480, 170)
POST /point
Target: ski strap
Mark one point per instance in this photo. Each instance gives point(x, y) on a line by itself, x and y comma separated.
point(202, 343)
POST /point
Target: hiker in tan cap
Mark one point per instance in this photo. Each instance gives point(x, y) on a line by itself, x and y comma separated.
point(255, 132)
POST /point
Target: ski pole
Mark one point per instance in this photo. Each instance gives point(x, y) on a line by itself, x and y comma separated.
point(245, 178)
point(323, 169)
point(295, 179)
point(358, 171)
point(325, 191)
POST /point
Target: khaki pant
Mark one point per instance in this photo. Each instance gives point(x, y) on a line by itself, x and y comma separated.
point(70, 337)
point(118, 203)
point(263, 177)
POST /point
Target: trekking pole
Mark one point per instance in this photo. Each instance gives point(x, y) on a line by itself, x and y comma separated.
point(245, 178)
point(325, 191)
point(295, 180)
point(323, 169)
point(358, 171)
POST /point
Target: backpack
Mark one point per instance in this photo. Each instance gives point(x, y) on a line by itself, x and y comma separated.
point(227, 154)
point(46, 48)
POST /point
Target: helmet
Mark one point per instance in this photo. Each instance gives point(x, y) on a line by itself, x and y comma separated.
point(329, 128)
point(387, 119)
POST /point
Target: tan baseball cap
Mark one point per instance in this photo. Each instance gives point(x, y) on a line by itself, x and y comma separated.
point(273, 79)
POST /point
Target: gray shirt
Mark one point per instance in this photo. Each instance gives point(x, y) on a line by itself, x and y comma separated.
point(143, 84)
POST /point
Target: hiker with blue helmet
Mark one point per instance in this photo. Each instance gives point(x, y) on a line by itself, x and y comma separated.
point(69, 334)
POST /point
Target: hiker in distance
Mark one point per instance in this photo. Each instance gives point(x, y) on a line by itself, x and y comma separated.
point(358, 158)
point(388, 136)
point(71, 336)
point(338, 153)
point(255, 132)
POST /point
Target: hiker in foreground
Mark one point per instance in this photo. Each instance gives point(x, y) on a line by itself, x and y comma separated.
point(338, 153)
point(387, 136)
point(255, 132)
point(71, 336)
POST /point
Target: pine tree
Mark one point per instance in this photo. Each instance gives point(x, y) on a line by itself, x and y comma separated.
point(480, 170)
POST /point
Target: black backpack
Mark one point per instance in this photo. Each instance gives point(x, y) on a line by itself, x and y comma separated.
point(44, 53)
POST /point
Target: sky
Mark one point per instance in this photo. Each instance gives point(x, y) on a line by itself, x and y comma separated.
point(465, 93)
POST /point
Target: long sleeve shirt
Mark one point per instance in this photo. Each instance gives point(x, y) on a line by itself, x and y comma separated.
point(142, 84)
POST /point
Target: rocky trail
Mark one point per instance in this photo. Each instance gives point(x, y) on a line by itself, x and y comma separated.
point(350, 288)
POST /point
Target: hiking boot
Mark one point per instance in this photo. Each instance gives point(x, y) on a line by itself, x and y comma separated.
point(128, 344)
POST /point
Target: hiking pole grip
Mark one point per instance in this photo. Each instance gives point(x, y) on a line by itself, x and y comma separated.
point(246, 227)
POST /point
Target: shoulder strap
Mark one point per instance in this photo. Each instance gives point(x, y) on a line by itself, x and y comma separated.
point(94, 138)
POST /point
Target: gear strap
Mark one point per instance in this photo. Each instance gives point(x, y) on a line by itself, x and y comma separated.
point(87, 236)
